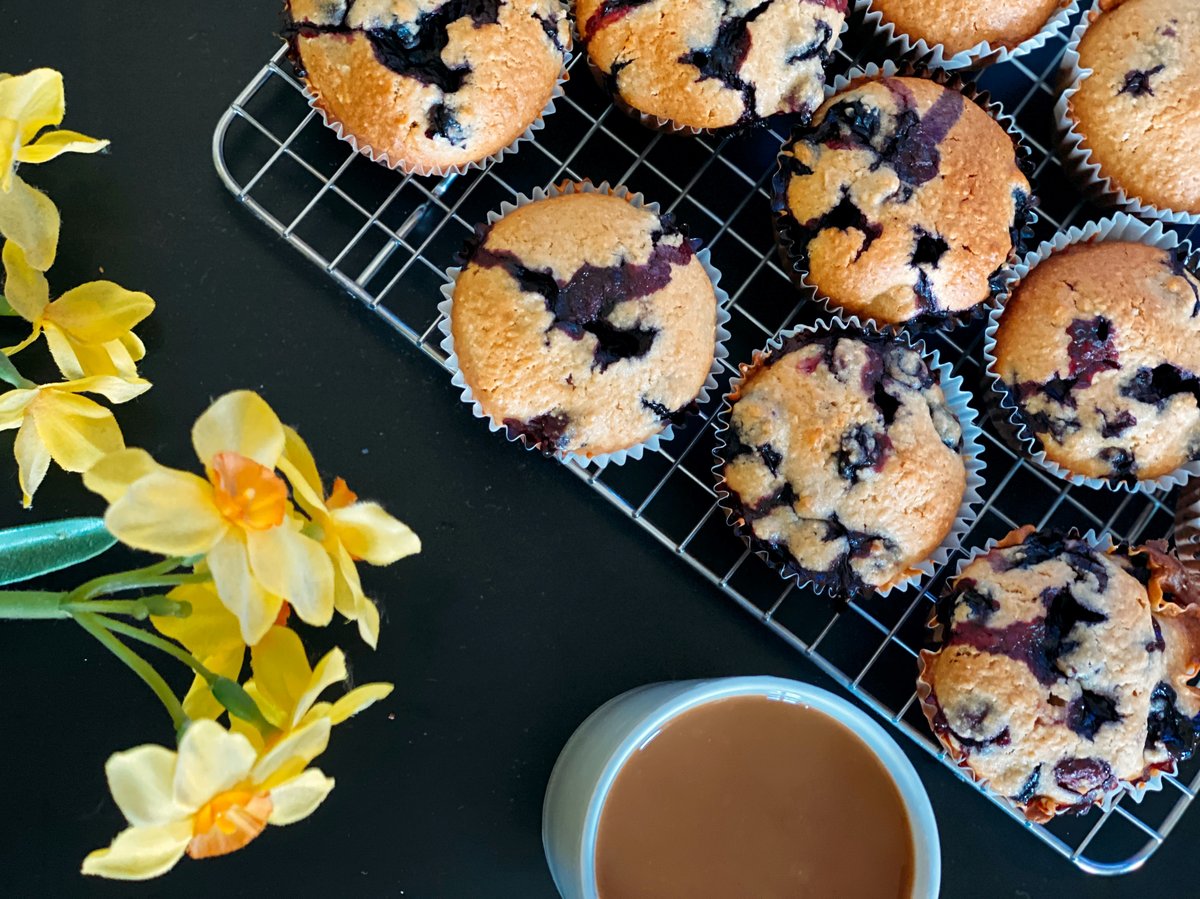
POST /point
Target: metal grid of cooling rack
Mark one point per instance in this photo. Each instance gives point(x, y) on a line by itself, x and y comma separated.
point(387, 240)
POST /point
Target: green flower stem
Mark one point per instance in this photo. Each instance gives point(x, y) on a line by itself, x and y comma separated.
point(32, 605)
point(157, 575)
point(95, 625)
point(143, 636)
point(141, 608)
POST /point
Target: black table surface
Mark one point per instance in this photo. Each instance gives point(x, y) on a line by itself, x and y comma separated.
point(532, 603)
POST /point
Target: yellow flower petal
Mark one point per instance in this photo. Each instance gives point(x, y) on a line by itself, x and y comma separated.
point(367, 620)
point(77, 431)
point(10, 142)
point(302, 473)
point(169, 512)
point(25, 288)
point(255, 607)
point(240, 422)
point(64, 352)
point(281, 672)
point(113, 475)
point(33, 461)
point(99, 311)
point(371, 534)
point(30, 219)
point(299, 797)
point(13, 404)
point(211, 633)
point(134, 346)
point(357, 700)
point(140, 853)
point(329, 671)
point(291, 755)
point(114, 389)
point(55, 143)
point(141, 781)
point(211, 761)
point(295, 567)
point(34, 99)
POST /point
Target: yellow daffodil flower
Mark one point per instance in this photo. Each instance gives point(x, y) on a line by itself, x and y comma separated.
point(286, 689)
point(349, 529)
point(212, 634)
point(210, 798)
point(28, 104)
point(89, 329)
point(56, 423)
point(238, 517)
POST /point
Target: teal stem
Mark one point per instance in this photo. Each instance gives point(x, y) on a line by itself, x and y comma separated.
point(94, 625)
point(31, 605)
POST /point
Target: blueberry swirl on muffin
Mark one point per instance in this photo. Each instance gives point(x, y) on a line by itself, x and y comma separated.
point(431, 83)
point(1099, 349)
point(1056, 680)
point(842, 460)
point(712, 64)
point(902, 201)
point(583, 323)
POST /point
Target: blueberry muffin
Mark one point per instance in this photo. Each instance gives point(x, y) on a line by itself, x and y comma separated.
point(842, 460)
point(959, 25)
point(902, 201)
point(711, 64)
point(433, 84)
point(1099, 348)
point(1053, 683)
point(1138, 111)
point(584, 324)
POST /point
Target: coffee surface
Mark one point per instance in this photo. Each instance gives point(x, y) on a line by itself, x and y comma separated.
point(754, 797)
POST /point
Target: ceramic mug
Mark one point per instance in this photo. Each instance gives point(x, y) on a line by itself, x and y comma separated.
point(594, 755)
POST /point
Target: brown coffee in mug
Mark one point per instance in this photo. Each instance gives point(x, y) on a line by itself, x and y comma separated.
point(754, 798)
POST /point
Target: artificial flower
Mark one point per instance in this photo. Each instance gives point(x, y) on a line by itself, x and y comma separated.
point(349, 529)
point(210, 798)
point(286, 689)
point(28, 104)
point(238, 517)
point(211, 633)
point(56, 423)
point(89, 329)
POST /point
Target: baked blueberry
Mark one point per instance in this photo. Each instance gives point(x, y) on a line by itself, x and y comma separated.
point(433, 84)
point(1099, 349)
point(841, 460)
point(1057, 675)
point(712, 64)
point(902, 201)
point(584, 324)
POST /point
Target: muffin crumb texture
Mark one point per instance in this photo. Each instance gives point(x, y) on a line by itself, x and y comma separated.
point(1058, 678)
point(1099, 347)
point(712, 64)
point(842, 460)
point(433, 84)
point(902, 201)
point(959, 25)
point(1138, 111)
point(584, 324)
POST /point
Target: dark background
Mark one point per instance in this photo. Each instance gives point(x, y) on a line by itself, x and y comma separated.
point(532, 603)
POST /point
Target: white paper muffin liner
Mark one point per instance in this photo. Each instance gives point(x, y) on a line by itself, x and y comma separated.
point(1078, 158)
point(669, 126)
point(982, 54)
point(796, 263)
point(600, 460)
point(957, 399)
point(1122, 227)
point(400, 165)
point(1137, 790)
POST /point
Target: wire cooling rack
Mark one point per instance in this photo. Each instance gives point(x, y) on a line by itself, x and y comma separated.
point(387, 239)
